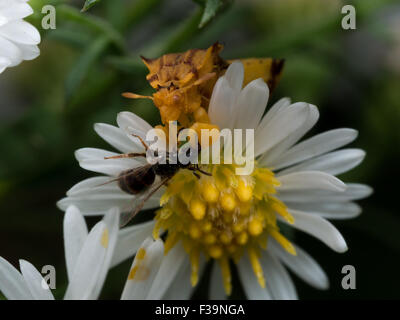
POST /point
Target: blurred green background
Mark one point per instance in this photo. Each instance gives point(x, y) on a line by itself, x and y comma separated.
point(48, 107)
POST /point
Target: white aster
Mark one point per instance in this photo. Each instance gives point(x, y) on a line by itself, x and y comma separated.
point(306, 171)
point(18, 38)
point(88, 258)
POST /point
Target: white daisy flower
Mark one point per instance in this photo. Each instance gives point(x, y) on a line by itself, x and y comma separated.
point(88, 257)
point(18, 38)
point(227, 217)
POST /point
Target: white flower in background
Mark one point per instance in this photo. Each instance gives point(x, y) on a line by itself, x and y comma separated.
point(227, 217)
point(88, 257)
point(18, 38)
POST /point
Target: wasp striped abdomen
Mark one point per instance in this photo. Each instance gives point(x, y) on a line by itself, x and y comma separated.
point(136, 183)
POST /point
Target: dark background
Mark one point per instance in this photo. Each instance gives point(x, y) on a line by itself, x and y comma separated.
point(48, 107)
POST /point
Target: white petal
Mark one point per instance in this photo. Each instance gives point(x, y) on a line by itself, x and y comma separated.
point(105, 187)
point(328, 210)
point(235, 75)
point(3, 20)
point(10, 51)
point(278, 106)
point(252, 102)
point(12, 284)
point(89, 265)
point(92, 154)
point(35, 282)
point(168, 271)
point(97, 156)
point(181, 289)
point(129, 241)
point(17, 10)
point(249, 281)
point(111, 220)
point(310, 180)
point(4, 63)
point(97, 204)
point(128, 119)
point(315, 146)
point(217, 291)
point(29, 52)
point(75, 235)
point(334, 163)
point(278, 280)
point(275, 153)
point(141, 279)
point(102, 184)
point(20, 31)
point(354, 191)
point(130, 123)
point(94, 204)
point(271, 132)
point(319, 228)
point(303, 265)
point(111, 167)
point(117, 138)
point(222, 102)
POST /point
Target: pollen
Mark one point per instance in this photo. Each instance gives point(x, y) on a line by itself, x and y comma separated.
point(223, 217)
point(139, 271)
point(255, 227)
point(197, 209)
point(215, 251)
point(244, 191)
point(104, 239)
point(141, 254)
point(195, 231)
point(242, 238)
point(227, 201)
point(210, 192)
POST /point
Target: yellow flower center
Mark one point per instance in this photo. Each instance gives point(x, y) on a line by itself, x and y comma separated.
point(222, 216)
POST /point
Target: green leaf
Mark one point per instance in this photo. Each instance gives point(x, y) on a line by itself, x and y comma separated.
point(81, 68)
point(88, 4)
point(211, 8)
point(93, 22)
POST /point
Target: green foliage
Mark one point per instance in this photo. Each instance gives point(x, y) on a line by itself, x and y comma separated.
point(88, 4)
point(211, 9)
point(79, 71)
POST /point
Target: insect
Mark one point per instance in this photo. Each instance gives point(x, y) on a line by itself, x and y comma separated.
point(184, 81)
point(146, 180)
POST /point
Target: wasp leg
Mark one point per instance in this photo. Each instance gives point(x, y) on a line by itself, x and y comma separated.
point(146, 147)
point(197, 168)
point(193, 168)
point(196, 175)
point(204, 172)
point(127, 155)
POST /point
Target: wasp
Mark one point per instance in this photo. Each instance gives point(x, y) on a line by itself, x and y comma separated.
point(144, 181)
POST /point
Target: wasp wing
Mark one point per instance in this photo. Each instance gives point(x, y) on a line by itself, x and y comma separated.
point(139, 172)
point(141, 200)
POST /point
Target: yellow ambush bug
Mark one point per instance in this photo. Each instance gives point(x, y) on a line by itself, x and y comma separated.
point(184, 81)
